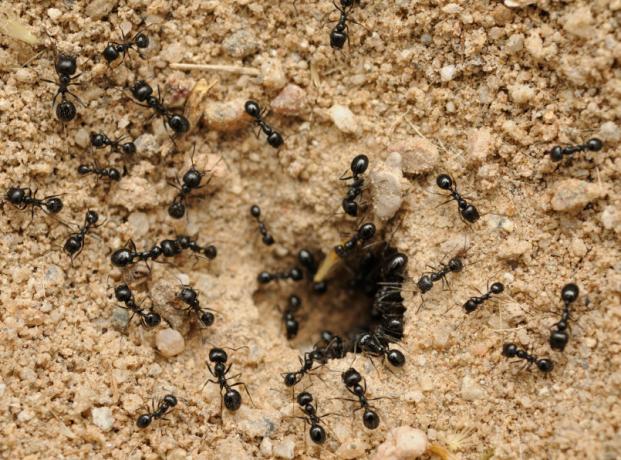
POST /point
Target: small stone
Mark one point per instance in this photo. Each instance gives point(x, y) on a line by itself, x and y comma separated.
point(241, 44)
point(147, 145)
point(176, 454)
point(120, 317)
point(97, 9)
point(480, 143)
point(448, 72)
point(228, 449)
point(519, 3)
point(82, 138)
point(513, 313)
point(351, 449)
point(419, 155)
point(574, 194)
point(226, 116)
point(471, 390)
point(512, 249)
point(54, 275)
point(285, 448)
point(611, 218)
point(414, 396)
point(344, 119)
point(266, 447)
point(610, 132)
point(273, 74)
point(515, 43)
point(534, 46)
point(102, 418)
point(402, 443)
point(440, 337)
point(139, 221)
point(290, 101)
point(578, 22)
point(23, 75)
point(25, 416)
point(169, 342)
point(386, 192)
point(54, 13)
point(137, 193)
point(258, 423)
point(521, 94)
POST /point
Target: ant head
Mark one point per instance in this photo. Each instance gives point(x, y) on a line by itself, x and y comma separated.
point(559, 338)
point(317, 434)
point(556, 153)
point(497, 287)
point(255, 211)
point(206, 318)
point(65, 111)
point(320, 287)
point(176, 210)
point(114, 174)
point(359, 164)
point(170, 248)
point(122, 293)
point(351, 377)
point(570, 292)
point(151, 319)
point(141, 90)
point(73, 245)
point(545, 365)
point(91, 217)
point(66, 64)
point(211, 252)
point(218, 355)
point(232, 399)
point(121, 257)
point(15, 195)
point(171, 400)
point(296, 274)
point(110, 53)
point(594, 144)
point(141, 40)
point(294, 302)
point(187, 295)
point(370, 419)
point(307, 259)
point(54, 205)
point(455, 264)
point(129, 148)
point(304, 398)
point(425, 283)
point(98, 139)
point(252, 108)
point(290, 379)
point(470, 305)
point(366, 231)
point(179, 124)
point(395, 358)
point(350, 207)
point(291, 327)
point(444, 181)
point(509, 350)
point(275, 139)
point(264, 277)
point(192, 178)
point(144, 421)
point(84, 169)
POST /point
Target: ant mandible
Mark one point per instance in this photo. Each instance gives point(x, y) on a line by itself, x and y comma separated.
point(253, 109)
point(167, 403)
point(231, 398)
point(359, 165)
point(148, 318)
point(75, 243)
point(114, 49)
point(558, 335)
point(511, 350)
point(21, 198)
point(101, 140)
point(466, 210)
point(592, 145)
point(143, 92)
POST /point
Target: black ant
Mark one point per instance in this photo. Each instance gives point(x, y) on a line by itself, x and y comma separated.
point(352, 378)
point(316, 432)
point(474, 302)
point(142, 92)
point(210, 251)
point(65, 66)
point(167, 403)
point(467, 211)
point(101, 140)
point(332, 349)
point(359, 165)
point(557, 152)
point(253, 109)
point(231, 398)
point(377, 345)
point(75, 243)
point(364, 233)
point(291, 324)
point(128, 255)
point(308, 261)
point(511, 350)
point(111, 173)
point(559, 336)
point(425, 282)
point(339, 34)
point(114, 49)
point(21, 198)
point(294, 274)
point(191, 181)
point(255, 211)
point(190, 297)
point(124, 294)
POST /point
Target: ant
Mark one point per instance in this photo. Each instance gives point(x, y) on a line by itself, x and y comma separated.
point(65, 66)
point(191, 181)
point(114, 49)
point(111, 173)
point(21, 198)
point(559, 336)
point(100, 140)
point(466, 210)
point(291, 324)
point(474, 302)
point(255, 211)
point(253, 109)
point(231, 398)
point(359, 165)
point(557, 152)
point(142, 92)
point(333, 349)
point(295, 274)
point(352, 378)
point(339, 34)
point(210, 251)
point(307, 260)
point(425, 282)
point(128, 255)
point(511, 350)
point(167, 403)
point(124, 294)
point(316, 432)
point(75, 243)
point(190, 297)
point(364, 233)
point(377, 345)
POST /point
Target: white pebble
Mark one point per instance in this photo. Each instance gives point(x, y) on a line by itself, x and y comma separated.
point(290, 101)
point(519, 3)
point(402, 443)
point(285, 448)
point(470, 389)
point(578, 22)
point(82, 138)
point(574, 195)
point(54, 13)
point(23, 75)
point(273, 74)
point(266, 447)
point(419, 154)
point(25, 416)
point(611, 218)
point(610, 132)
point(139, 222)
point(146, 145)
point(521, 94)
point(344, 119)
point(226, 116)
point(169, 342)
point(386, 181)
point(447, 73)
point(97, 9)
point(480, 143)
point(102, 417)
point(241, 44)
point(515, 43)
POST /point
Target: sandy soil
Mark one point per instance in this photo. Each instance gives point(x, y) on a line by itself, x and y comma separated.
point(73, 379)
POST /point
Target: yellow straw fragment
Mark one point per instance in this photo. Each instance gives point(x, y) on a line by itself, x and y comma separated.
point(12, 27)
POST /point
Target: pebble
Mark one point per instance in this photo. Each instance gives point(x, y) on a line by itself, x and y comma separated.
point(139, 221)
point(23, 75)
point(350, 449)
point(285, 448)
point(402, 443)
point(519, 3)
point(448, 72)
point(241, 44)
point(97, 9)
point(512, 249)
point(578, 22)
point(344, 119)
point(25, 416)
point(176, 454)
point(226, 116)
point(480, 143)
point(273, 74)
point(515, 43)
point(54, 13)
point(102, 418)
point(259, 423)
point(82, 138)
point(290, 101)
point(386, 182)
point(521, 94)
point(120, 317)
point(470, 389)
point(137, 193)
point(610, 132)
point(54, 275)
point(169, 342)
point(611, 218)
point(266, 447)
point(574, 194)
point(419, 155)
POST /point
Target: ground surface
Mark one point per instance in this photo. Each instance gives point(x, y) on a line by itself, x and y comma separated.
point(524, 79)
